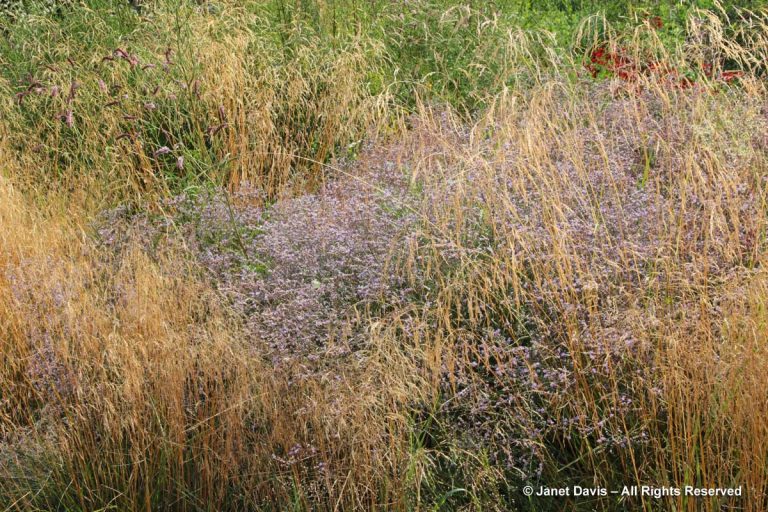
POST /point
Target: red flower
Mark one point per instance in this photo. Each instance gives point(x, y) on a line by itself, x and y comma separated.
point(729, 76)
point(685, 83)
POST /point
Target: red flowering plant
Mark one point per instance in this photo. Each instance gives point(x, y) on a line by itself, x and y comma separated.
point(607, 61)
point(636, 62)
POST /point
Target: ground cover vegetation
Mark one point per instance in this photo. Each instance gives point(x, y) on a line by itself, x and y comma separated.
point(373, 255)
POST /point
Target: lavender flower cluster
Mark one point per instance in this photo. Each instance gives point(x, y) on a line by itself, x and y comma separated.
point(298, 270)
point(40, 304)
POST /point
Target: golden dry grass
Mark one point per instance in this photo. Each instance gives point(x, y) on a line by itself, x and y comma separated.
point(604, 239)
